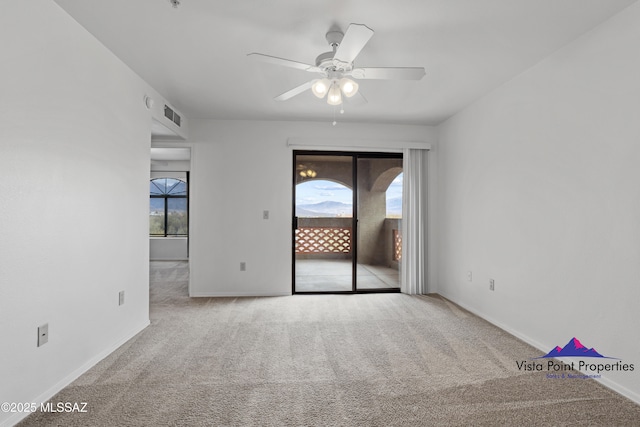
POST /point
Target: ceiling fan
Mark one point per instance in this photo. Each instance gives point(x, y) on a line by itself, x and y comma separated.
point(337, 69)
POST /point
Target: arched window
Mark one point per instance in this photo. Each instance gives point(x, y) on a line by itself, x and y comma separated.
point(323, 198)
point(168, 209)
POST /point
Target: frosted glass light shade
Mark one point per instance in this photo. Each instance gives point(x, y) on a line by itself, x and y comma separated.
point(334, 97)
point(348, 86)
point(320, 87)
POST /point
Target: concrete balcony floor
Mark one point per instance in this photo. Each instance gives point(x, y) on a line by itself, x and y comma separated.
point(316, 275)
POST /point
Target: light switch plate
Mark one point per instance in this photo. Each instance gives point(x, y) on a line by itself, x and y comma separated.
point(43, 334)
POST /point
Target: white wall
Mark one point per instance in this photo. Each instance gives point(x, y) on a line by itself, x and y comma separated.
point(168, 249)
point(539, 189)
point(74, 167)
point(239, 169)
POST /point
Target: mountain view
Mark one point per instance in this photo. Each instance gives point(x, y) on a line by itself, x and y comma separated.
point(345, 210)
point(325, 209)
point(320, 198)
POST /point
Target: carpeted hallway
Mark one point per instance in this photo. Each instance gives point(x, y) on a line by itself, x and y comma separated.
point(370, 360)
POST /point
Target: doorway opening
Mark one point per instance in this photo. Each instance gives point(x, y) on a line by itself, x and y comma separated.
point(169, 197)
point(347, 215)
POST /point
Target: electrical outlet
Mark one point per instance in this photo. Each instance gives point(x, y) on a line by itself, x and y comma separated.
point(243, 266)
point(121, 298)
point(492, 285)
point(470, 276)
point(43, 334)
point(265, 214)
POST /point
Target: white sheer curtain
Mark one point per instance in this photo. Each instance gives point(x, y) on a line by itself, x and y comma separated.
point(413, 268)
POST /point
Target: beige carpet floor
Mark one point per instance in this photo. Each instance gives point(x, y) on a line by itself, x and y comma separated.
point(324, 360)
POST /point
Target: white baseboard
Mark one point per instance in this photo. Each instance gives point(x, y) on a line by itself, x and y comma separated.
point(52, 391)
point(239, 294)
point(629, 394)
point(538, 345)
point(612, 385)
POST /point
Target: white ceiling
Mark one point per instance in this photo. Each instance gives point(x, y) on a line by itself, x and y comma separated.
point(195, 55)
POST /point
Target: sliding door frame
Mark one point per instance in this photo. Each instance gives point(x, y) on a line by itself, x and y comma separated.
point(355, 155)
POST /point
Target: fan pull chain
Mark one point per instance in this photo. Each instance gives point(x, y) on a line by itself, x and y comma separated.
point(334, 113)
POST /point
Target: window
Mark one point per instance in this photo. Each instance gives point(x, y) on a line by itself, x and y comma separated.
point(168, 210)
point(394, 198)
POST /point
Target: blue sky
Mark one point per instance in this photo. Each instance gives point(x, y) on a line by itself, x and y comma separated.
point(318, 191)
point(395, 189)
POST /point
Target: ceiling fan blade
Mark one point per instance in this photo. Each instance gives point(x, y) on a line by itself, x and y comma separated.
point(293, 92)
point(284, 62)
point(389, 73)
point(354, 40)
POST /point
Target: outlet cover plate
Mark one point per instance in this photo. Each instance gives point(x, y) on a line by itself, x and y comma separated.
point(121, 298)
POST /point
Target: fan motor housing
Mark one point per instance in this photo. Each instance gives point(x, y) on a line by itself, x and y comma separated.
point(326, 61)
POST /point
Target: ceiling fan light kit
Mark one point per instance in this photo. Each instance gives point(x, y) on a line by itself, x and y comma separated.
point(335, 89)
point(337, 67)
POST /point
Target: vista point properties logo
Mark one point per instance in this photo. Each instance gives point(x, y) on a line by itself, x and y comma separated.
point(574, 348)
point(589, 361)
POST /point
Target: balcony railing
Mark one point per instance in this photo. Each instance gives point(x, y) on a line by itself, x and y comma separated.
point(397, 245)
point(322, 240)
point(332, 238)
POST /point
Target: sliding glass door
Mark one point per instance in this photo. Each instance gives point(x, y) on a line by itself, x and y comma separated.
point(345, 236)
point(323, 223)
point(379, 213)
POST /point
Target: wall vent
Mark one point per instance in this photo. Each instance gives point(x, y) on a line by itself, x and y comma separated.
point(171, 115)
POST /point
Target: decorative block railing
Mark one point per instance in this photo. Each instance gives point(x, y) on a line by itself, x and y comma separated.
point(397, 245)
point(316, 240)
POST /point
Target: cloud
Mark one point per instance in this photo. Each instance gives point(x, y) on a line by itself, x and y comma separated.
point(327, 194)
point(330, 187)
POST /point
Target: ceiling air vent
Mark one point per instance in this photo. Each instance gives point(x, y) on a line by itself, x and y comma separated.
point(171, 115)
